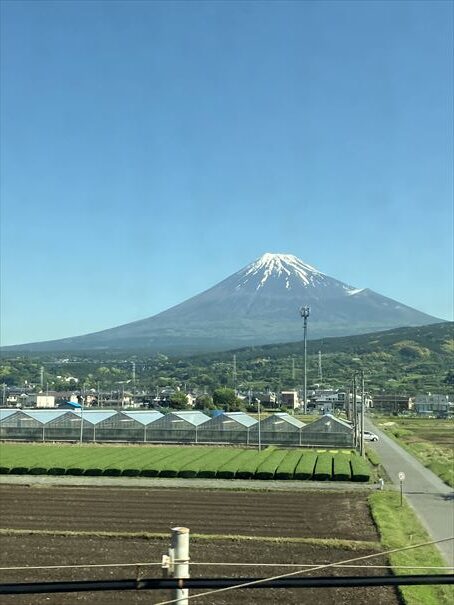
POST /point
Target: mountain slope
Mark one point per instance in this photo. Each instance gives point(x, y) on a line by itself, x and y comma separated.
point(257, 305)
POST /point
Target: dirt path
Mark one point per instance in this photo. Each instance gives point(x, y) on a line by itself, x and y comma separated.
point(211, 484)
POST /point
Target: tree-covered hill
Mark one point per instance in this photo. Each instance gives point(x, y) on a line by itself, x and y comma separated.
point(404, 360)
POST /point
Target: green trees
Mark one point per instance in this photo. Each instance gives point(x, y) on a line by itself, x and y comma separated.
point(226, 399)
point(178, 400)
point(204, 402)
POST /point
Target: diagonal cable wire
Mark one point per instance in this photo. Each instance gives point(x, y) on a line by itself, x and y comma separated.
point(299, 571)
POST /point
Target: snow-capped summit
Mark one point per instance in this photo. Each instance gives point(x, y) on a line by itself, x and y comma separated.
point(257, 305)
point(286, 265)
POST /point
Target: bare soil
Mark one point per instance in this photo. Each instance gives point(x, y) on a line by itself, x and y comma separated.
point(278, 514)
point(304, 514)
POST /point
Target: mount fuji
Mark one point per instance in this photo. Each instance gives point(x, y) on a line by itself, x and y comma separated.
point(257, 305)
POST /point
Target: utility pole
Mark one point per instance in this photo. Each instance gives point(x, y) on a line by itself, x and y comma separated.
point(348, 408)
point(355, 411)
point(293, 368)
point(361, 425)
point(304, 312)
point(320, 373)
point(259, 429)
point(234, 373)
point(41, 377)
point(81, 438)
point(133, 380)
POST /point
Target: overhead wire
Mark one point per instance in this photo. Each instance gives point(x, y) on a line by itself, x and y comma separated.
point(218, 564)
point(299, 571)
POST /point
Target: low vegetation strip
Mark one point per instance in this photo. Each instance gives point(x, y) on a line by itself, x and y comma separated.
point(399, 527)
point(183, 461)
point(286, 468)
point(353, 545)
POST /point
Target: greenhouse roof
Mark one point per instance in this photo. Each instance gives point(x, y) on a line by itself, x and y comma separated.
point(283, 416)
point(240, 417)
point(328, 420)
point(94, 416)
point(6, 413)
point(194, 418)
point(144, 418)
point(45, 416)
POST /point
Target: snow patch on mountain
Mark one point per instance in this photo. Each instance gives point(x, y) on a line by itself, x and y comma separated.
point(354, 291)
point(277, 265)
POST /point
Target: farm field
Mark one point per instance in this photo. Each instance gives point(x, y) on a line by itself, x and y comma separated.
point(231, 527)
point(183, 461)
point(431, 440)
point(286, 514)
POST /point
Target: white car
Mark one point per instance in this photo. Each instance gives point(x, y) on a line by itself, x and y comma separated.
point(368, 436)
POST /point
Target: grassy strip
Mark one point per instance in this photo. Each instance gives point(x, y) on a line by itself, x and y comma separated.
point(399, 527)
point(323, 467)
point(352, 545)
point(286, 468)
point(372, 456)
point(305, 467)
point(360, 468)
point(268, 468)
point(440, 460)
point(341, 468)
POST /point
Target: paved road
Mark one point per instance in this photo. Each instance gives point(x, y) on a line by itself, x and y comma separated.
point(432, 500)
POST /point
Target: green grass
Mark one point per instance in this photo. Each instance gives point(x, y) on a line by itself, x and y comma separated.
point(181, 461)
point(399, 527)
point(323, 467)
point(360, 468)
point(430, 440)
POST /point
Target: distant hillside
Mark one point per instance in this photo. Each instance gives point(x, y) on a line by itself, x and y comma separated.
point(406, 360)
point(437, 337)
point(403, 360)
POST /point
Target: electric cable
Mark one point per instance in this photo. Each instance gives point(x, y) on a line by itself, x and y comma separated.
point(299, 571)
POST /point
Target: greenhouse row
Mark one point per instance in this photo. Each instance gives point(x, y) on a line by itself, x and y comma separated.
point(174, 427)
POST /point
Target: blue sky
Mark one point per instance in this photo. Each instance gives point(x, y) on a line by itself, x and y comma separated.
point(151, 149)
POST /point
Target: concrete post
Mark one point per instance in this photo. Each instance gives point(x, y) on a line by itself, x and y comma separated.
point(180, 547)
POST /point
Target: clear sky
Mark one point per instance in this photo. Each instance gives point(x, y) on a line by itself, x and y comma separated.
point(151, 149)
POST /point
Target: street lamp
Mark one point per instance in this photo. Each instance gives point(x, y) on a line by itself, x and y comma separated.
point(81, 437)
point(304, 312)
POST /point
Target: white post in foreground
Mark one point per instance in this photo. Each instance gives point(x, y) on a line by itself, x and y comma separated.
point(180, 546)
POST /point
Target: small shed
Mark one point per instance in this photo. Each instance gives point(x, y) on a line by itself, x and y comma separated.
point(328, 431)
point(178, 426)
point(280, 428)
point(127, 426)
point(227, 427)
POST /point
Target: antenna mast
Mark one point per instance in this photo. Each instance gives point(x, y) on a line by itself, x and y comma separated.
point(234, 373)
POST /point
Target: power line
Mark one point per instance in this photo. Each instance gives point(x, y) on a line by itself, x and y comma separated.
point(316, 568)
point(217, 564)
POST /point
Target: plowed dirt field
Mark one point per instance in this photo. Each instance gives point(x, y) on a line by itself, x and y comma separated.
point(282, 515)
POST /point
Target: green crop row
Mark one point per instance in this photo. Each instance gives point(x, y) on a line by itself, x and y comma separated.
point(208, 462)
